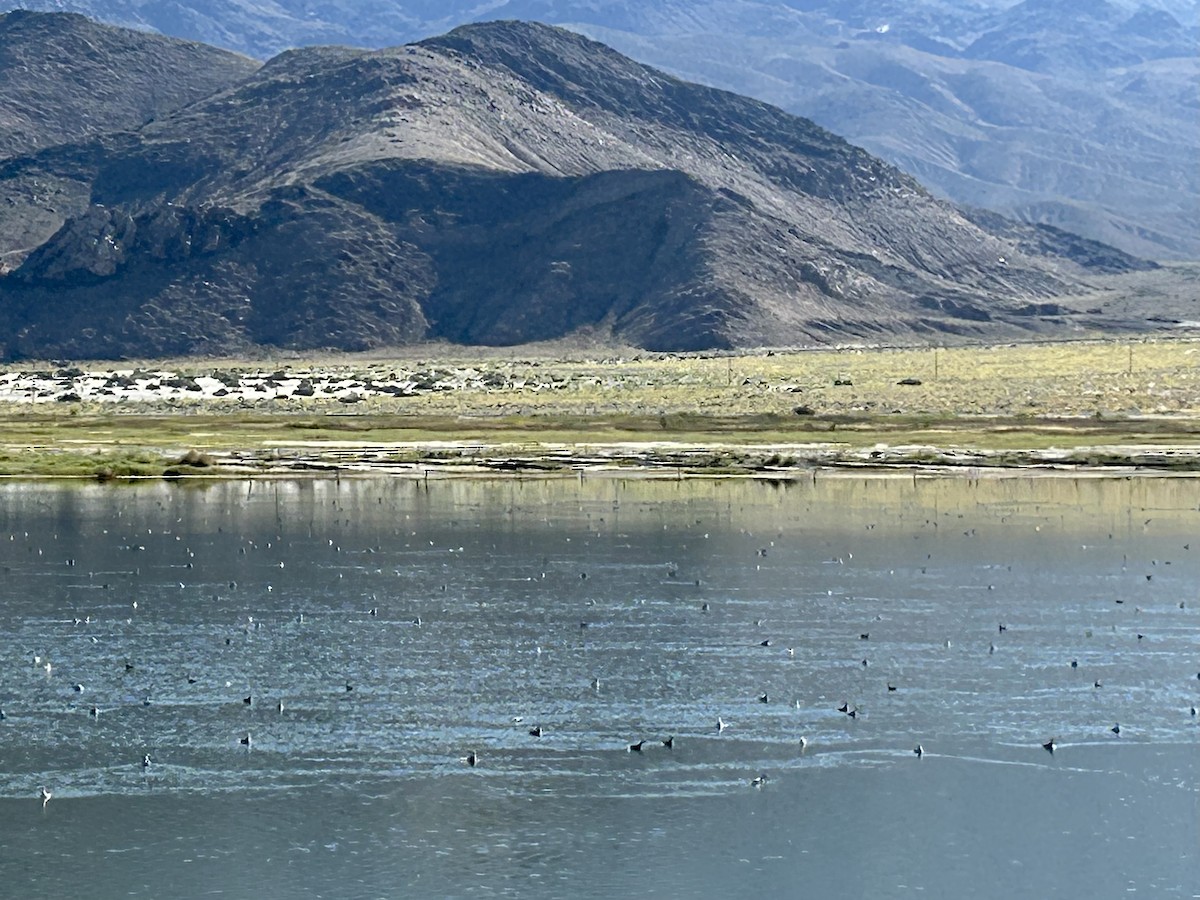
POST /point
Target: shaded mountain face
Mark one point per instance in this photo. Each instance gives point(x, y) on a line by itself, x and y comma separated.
point(501, 184)
point(64, 77)
point(1077, 113)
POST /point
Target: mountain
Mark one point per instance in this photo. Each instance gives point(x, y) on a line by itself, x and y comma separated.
point(65, 78)
point(1076, 113)
point(501, 184)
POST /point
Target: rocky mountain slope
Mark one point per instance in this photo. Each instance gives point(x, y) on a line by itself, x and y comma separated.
point(1077, 113)
point(501, 184)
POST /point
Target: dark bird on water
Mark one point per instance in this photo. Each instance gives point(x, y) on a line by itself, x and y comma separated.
point(1049, 745)
point(536, 731)
point(1074, 664)
point(865, 636)
point(246, 740)
point(1116, 729)
point(845, 707)
point(1097, 684)
point(853, 714)
point(637, 748)
point(146, 762)
point(919, 750)
point(891, 687)
point(759, 781)
point(471, 758)
point(248, 700)
point(764, 699)
point(766, 643)
point(669, 743)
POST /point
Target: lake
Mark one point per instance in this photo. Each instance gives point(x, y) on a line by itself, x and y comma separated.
point(383, 630)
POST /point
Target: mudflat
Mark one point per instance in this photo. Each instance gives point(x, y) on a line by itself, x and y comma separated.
point(430, 410)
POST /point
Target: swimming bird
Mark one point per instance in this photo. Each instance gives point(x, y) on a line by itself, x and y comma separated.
point(349, 687)
point(759, 781)
point(865, 636)
point(721, 725)
point(249, 701)
point(78, 688)
point(191, 680)
point(1049, 745)
point(844, 708)
point(2, 715)
point(145, 762)
point(95, 712)
point(803, 742)
point(1074, 664)
point(128, 666)
point(471, 758)
point(246, 740)
point(669, 743)
point(536, 731)
point(637, 748)
point(891, 687)
point(765, 643)
point(853, 713)
point(1116, 729)
point(919, 750)
point(279, 706)
point(46, 795)
point(595, 684)
point(764, 699)
point(1097, 684)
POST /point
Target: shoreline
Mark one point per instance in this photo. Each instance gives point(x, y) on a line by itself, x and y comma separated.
point(1119, 407)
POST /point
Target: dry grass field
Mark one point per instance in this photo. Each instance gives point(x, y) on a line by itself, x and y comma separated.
point(1077, 404)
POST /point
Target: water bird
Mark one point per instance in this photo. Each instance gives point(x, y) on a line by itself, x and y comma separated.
point(766, 643)
point(94, 713)
point(791, 651)
point(536, 731)
point(46, 795)
point(349, 687)
point(865, 636)
point(764, 699)
point(704, 607)
point(1049, 746)
point(1116, 729)
point(248, 701)
point(1074, 664)
point(78, 688)
point(845, 707)
point(145, 762)
point(759, 781)
point(721, 725)
point(1097, 684)
point(865, 663)
point(891, 687)
point(595, 684)
point(1003, 628)
point(669, 743)
point(991, 648)
point(1141, 637)
point(247, 740)
point(417, 621)
point(128, 666)
point(803, 742)
point(375, 610)
point(191, 680)
point(2, 715)
point(1193, 711)
point(637, 748)
point(853, 713)
point(471, 758)
point(919, 750)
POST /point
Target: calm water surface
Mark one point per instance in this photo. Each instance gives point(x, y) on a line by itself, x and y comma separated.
point(403, 625)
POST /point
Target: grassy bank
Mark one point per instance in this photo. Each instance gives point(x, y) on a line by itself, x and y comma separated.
point(1085, 403)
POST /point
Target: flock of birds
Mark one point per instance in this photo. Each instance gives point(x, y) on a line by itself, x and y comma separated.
point(473, 758)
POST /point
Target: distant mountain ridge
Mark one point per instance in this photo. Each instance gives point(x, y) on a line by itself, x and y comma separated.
point(1074, 113)
point(500, 184)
